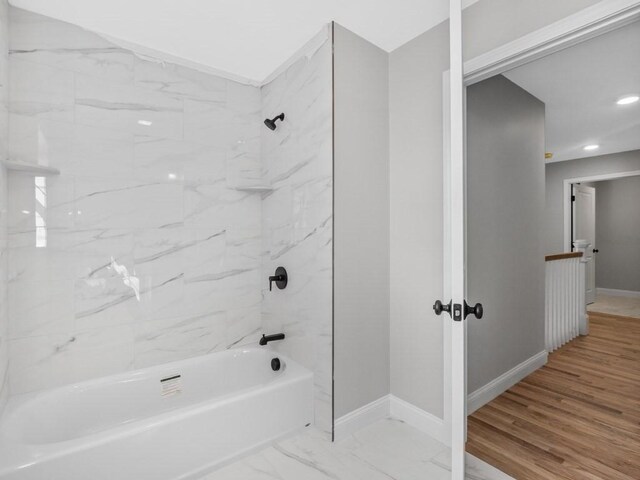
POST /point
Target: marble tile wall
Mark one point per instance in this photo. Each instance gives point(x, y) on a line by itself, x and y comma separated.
point(298, 216)
point(4, 138)
point(154, 244)
point(146, 248)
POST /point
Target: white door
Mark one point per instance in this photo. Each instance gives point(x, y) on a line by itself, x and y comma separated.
point(455, 246)
point(584, 228)
point(491, 238)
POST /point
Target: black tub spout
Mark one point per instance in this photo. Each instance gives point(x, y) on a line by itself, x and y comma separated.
point(270, 338)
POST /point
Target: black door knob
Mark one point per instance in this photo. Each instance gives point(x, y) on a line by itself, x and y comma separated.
point(440, 307)
point(476, 310)
point(595, 250)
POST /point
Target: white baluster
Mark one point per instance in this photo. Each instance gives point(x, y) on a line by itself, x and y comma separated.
point(565, 309)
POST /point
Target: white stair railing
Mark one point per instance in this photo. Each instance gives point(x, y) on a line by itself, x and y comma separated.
point(565, 306)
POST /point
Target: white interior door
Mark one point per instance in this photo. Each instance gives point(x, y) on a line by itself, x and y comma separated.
point(493, 253)
point(584, 228)
point(455, 277)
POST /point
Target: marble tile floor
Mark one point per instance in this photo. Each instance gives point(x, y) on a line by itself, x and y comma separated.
point(387, 449)
point(616, 305)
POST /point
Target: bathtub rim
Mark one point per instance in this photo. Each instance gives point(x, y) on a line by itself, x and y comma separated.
point(23, 400)
point(41, 452)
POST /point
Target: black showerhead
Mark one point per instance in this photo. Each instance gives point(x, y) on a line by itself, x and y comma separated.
point(271, 123)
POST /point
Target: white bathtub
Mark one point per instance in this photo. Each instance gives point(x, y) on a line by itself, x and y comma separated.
point(122, 427)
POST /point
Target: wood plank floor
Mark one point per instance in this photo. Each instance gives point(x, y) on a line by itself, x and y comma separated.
point(578, 417)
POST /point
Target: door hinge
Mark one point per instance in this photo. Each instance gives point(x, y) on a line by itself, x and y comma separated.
point(573, 198)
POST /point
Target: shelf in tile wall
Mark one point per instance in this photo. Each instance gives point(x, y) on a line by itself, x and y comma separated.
point(30, 168)
point(253, 188)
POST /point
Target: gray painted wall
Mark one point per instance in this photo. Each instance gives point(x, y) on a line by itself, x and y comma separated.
point(505, 142)
point(557, 172)
point(361, 235)
point(415, 108)
point(618, 234)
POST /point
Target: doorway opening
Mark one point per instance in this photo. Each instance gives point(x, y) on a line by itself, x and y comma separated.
point(602, 211)
point(541, 410)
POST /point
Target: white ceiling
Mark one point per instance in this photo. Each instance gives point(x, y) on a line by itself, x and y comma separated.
point(580, 87)
point(246, 38)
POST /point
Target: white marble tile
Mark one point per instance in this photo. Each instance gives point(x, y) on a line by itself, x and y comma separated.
point(244, 164)
point(147, 235)
point(142, 282)
point(106, 203)
point(41, 91)
point(118, 254)
point(79, 150)
point(83, 254)
point(4, 141)
point(168, 340)
point(161, 296)
point(144, 112)
point(244, 325)
point(386, 450)
point(102, 352)
point(225, 290)
point(311, 213)
point(214, 205)
point(110, 296)
point(244, 100)
point(39, 362)
point(24, 142)
point(161, 159)
point(207, 122)
point(175, 79)
point(476, 469)
point(168, 260)
point(297, 215)
point(52, 360)
point(51, 199)
point(179, 250)
point(398, 450)
point(243, 247)
point(44, 40)
point(40, 308)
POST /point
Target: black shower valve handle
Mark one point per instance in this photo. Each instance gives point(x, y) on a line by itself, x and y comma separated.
point(274, 278)
point(280, 278)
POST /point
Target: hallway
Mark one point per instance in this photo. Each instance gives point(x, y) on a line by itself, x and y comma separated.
point(616, 305)
point(578, 417)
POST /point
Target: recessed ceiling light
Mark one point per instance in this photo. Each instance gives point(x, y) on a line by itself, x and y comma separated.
point(172, 176)
point(26, 212)
point(629, 99)
point(146, 123)
point(588, 148)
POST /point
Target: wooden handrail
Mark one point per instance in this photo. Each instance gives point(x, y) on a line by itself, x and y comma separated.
point(562, 256)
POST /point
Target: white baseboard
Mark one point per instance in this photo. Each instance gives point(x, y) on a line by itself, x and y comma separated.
point(360, 418)
point(419, 419)
point(392, 406)
point(617, 293)
point(496, 387)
